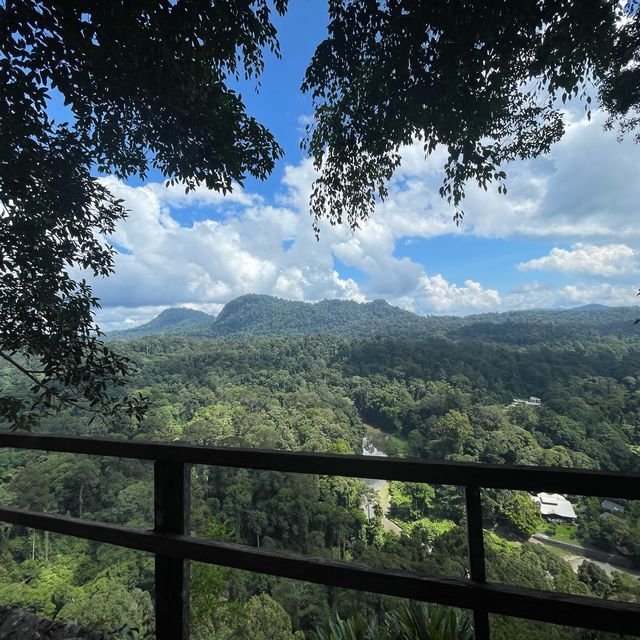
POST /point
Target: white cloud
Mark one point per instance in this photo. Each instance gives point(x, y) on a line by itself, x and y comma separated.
point(535, 295)
point(435, 293)
point(209, 262)
point(603, 260)
point(260, 248)
point(584, 194)
point(585, 189)
point(174, 195)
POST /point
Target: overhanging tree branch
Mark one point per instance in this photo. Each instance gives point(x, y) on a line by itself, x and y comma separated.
point(146, 86)
point(486, 81)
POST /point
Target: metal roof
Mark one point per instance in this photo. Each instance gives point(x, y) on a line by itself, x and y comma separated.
point(554, 504)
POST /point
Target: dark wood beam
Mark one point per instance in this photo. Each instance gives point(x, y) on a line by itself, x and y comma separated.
point(477, 568)
point(172, 492)
point(521, 602)
point(572, 481)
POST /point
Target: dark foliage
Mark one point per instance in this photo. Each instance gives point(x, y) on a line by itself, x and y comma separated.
point(145, 86)
point(483, 79)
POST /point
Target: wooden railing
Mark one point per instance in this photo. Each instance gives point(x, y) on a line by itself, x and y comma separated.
point(173, 547)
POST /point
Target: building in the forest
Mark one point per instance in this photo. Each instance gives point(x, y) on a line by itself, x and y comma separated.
point(613, 507)
point(532, 402)
point(555, 507)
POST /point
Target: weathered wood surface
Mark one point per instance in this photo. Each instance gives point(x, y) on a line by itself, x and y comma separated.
point(16, 624)
point(545, 606)
point(477, 568)
point(172, 492)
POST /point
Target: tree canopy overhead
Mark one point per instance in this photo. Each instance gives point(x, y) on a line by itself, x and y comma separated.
point(487, 80)
point(146, 86)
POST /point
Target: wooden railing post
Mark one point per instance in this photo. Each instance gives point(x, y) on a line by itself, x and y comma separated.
point(477, 569)
point(171, 509)
point(170, 540)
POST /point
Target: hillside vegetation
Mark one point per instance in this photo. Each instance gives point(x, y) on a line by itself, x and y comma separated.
point(442, 393)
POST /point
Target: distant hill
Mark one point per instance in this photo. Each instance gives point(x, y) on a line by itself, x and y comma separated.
point(255, 315)
point(178, 321)
point(549, 325)
point(590, 307)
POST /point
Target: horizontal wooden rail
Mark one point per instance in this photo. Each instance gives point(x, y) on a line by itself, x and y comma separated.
point(173, 547)
point(557, 608)
point(488, 476)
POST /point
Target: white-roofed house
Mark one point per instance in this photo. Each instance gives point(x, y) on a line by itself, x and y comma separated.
point(555, 507)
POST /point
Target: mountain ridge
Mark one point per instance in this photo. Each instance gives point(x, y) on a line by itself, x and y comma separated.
point(259, 315)
point(164, 322)
point(262, 315)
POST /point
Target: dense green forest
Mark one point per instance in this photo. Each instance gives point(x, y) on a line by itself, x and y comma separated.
point(433, 388)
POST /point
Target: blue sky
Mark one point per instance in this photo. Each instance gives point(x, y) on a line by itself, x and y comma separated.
point(564, 236)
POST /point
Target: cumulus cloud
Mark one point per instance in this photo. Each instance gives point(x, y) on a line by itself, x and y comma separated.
point(203, 248)
point(585, 189)
point(246, 245)
point(174, 195)
point(535, 295)
point(209, 261)
point(603, 260)
point(435, 293)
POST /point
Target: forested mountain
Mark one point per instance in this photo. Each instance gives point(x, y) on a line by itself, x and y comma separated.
point(255, 315)
point(262, 315)
point(175, 321)
point(442, 394)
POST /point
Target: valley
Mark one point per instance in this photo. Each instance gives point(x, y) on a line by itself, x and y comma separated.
point(444, 393)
